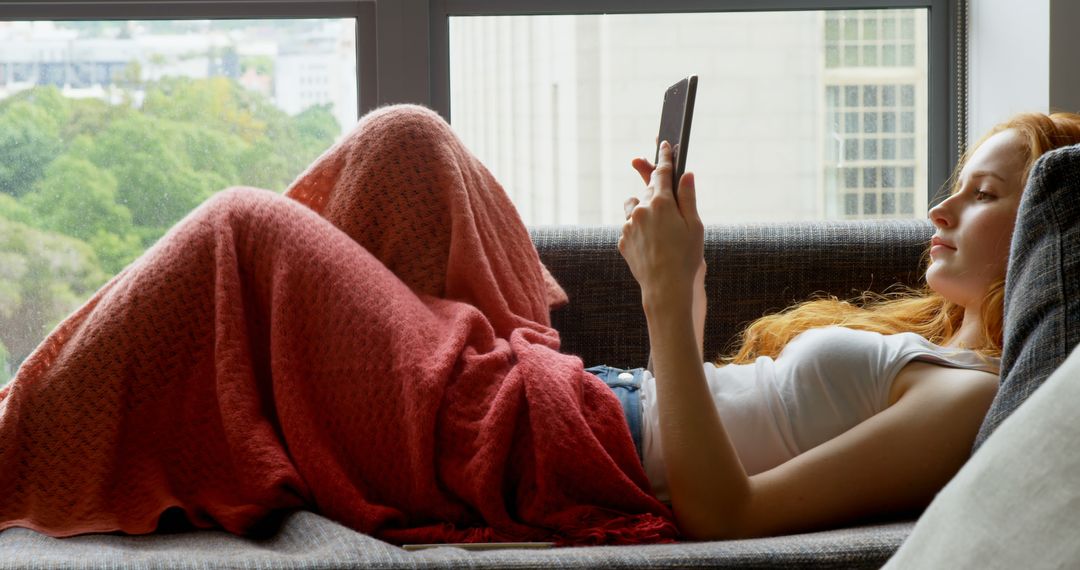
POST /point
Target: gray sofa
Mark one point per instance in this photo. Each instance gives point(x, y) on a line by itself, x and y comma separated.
point(753, 269)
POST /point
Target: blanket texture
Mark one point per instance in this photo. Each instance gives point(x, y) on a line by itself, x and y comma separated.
point(376, 348)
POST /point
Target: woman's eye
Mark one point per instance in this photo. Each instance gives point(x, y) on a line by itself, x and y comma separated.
point(980, 195)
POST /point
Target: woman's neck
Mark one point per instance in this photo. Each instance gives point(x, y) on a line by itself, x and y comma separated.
point(970, 333)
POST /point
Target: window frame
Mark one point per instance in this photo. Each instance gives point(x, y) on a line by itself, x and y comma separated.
point(361, 10)
point(946, 73)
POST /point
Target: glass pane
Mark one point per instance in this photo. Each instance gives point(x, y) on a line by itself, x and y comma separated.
point(851, 149)
point(557, 106)
point(869, 56)
point(832, 56)
point(870, 29)
point(888, 203)
point(110, 132)
point(888, 55)
point(907, 55)
point(888, 28)
point(869, 178)
point(870, 149)
point(851, 56)
point(907, 28)
point(869, 203)
point(870, 123)
point(870, 95)
point(832, 28)
point(907, 203)
point(851, 28)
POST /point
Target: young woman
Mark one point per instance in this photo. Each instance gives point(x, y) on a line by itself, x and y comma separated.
point(377, 347)
point(872, 416)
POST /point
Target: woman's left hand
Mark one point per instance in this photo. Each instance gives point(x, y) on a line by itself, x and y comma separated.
point(663, 242)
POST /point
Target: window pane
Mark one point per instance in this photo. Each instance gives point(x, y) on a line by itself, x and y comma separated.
point(870, 95)
point(869, 203)
point(869, 178)
point(888, 203)
point(851, 56)
point(870, 29)
point(870, 149)
point(870, 58)
point(111, 132)
point(556, 106)
point(870, 123)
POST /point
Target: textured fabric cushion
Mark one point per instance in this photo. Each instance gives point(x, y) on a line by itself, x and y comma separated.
point(1014, 504)
point(1042, 289)
point(309, 541)
point(753, 269)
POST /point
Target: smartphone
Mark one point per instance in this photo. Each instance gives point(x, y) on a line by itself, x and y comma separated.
point(675, 119)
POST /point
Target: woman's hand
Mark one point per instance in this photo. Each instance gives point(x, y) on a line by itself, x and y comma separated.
point(663, 242)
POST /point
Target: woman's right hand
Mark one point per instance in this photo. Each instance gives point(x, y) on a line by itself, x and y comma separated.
point(662, 241)
point(645, 169)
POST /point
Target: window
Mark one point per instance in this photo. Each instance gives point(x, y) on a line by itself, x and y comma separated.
point(800, 115)
point(111, 131)
point(875, 114)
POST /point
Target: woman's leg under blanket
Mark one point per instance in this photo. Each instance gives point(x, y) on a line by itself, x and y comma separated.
point(404, 186)
point(219, 372)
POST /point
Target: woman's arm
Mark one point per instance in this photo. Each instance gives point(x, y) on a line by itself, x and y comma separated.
point(663, 243)
point(709, 489)
point(894, 462)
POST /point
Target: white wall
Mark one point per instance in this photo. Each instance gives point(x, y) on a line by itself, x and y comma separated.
point(1023, 58)
point(1009, 58)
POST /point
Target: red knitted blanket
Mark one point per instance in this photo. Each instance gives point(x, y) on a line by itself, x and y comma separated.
point(376, 348)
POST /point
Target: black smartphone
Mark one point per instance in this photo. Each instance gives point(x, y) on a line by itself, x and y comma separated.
point(675, 119)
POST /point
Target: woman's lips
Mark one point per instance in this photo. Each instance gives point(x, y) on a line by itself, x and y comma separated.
point(939, 246)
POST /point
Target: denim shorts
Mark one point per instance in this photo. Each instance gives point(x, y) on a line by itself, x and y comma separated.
point(627, 387)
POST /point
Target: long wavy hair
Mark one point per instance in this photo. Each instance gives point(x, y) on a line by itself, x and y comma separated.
point(901, 308)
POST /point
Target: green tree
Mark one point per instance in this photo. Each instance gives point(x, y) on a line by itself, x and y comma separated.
point(155, 179)
point(29, 140)
point(79, 199)
point(5, 372)
point(43, 278)
point(218, 103)
point(11, 209)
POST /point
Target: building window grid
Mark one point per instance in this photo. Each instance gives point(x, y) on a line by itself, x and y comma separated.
point(870, 127)
point(869, 38)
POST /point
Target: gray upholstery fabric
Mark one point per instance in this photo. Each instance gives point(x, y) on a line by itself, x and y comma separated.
point(753, 269)
point(1042, 286)
point(309, 541)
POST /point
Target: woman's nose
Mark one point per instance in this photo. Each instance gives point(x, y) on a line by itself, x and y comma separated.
point(942, 215)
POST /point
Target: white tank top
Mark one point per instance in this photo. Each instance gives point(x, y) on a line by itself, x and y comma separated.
point(824, 382)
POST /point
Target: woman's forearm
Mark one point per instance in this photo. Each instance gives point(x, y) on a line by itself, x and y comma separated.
point(709, 488)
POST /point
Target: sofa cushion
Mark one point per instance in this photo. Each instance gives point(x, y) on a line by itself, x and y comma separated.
point(754, 269)
point(309, 541)
point(1014, 504)
point(1042, 287)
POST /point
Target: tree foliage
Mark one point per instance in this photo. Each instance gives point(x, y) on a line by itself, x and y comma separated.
point(86, 187)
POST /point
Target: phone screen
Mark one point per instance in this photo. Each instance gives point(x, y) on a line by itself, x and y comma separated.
point(675, 119)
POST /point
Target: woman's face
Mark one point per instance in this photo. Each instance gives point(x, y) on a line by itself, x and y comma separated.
point(974, 225)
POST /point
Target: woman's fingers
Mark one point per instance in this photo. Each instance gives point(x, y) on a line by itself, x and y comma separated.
point(644, 168)
point(629, 204)
point(661, 175)
point(688, 198)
